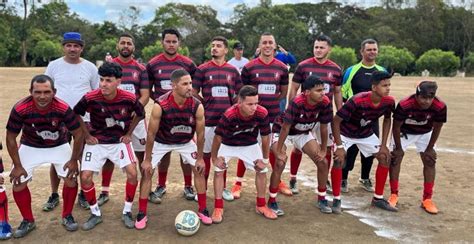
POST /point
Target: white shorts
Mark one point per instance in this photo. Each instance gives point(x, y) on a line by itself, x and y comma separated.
point(33, 157)
point(94, 156)
point(188, 152)
point(420, 141)
point(139, 136)
point(368, 146)
point(317, 133)
point(248, 154)
point(298, 141)
point(209, 133)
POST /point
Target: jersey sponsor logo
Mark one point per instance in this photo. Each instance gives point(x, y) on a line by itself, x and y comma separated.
point(128, 87)
point(165, 84)
point(364, 122)
point(48, 135)
point(267, 89)
point(414, 122)
point(110, 122)
point(220, 91)
point(243, 131)
point(181, 129)
point(305, 127)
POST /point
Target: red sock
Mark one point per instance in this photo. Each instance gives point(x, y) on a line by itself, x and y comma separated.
point(394, 186)
point(142, 205)
point(295, 160)
point(322, 192)
point(69, 197)
point(240, 168)
point(89, 193)
point(336, 180)
point(273, 194)
point(428, 190)
point(272, 159)
point(328, 157)
point(218, 203)
point(106, 178)
point(202, 201)
point(23, 201)
point(225, 179)
point(4, 205)
point(380, 179)
point(207, 161)
point(260, 201)
point(130, 191)
point(162, 178)
point(188, 180)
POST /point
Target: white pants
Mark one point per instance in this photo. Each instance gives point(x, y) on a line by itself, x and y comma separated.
point(420, 141)
point(368, 146)
point(188, 152)
point(248, 154)
point(95, 156)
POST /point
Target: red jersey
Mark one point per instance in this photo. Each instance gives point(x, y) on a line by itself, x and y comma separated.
point(135, 76)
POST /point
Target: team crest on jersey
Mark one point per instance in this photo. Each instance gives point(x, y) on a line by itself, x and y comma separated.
point(277, 76)
point(159, 71)
point(330, 75)
point(54, 123)
point(102, 110)
point(194, 155)
point(191, 120)
point(229, 78)
point(135, 75)
point(210, 77)
point(123, 112)
point(256, 75)
point(121, 154)
point(142, 141)
point(428, 116)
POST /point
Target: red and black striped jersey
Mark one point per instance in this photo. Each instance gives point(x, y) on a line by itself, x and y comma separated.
point(416, 120)
point(177, 123)
point(328, 71)
point(237, 130)
point(359, 114)
point(303, 116)
point(218, 85)
point(134, 78)
point(159, 70)
point(268, 79)
point(110, 119)
point(42, 128)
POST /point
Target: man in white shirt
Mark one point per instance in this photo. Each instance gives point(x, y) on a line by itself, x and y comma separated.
point(238, 60)
point(73, 77)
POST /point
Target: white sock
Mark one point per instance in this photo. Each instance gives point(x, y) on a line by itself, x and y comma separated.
point(95, 210)
point(127, 207)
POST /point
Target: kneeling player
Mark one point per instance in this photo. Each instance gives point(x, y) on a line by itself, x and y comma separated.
point(295, 125)
point(114, 115)
point(44, 121)
point(175, 117)
point(418, 120)
point(237, 131)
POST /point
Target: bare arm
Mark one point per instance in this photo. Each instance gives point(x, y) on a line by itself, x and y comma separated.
point(196, 94)
point(153, 126)
point(144, 96)
point(396, 133)
point(294, 89)
point(200, 131)
point(338, 97)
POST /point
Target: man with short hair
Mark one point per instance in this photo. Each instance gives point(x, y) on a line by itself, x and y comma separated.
point(114, 115)
point(134, 80)
point(357, 79)
point(294, 126)
point(73, 77)
point(270, 77)
point(44, 121)
point(330, 72)
point(175, 118)
point(238, 61)
point(218, 83)
point(236, 137)
point(418, 120)
point(353, 123)
point(159, 70)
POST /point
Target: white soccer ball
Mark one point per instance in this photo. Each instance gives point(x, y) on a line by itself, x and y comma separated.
point(187, 223)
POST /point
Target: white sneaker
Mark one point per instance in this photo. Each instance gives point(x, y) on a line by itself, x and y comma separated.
point(227, 195)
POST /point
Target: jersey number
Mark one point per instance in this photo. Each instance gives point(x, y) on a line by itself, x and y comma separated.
point(88, 156)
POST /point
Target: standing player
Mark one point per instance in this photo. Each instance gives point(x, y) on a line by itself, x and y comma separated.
point(237, 131)
point(73, 77)
point(331, 74)
point(238, 61)
point(159, 70)
point(174, 119)
point(308, 108)
point(353, 123)
point(44, 121)
point(114, 115)
point(356, 79)
point(134, 80)
point(418, 120)
point(270, 77)
point(218, 82)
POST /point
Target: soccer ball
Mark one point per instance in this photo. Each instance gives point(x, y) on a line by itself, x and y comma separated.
point(187, 223)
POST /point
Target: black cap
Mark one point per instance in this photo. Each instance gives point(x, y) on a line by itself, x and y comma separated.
point(238, 45)
point(427, 89)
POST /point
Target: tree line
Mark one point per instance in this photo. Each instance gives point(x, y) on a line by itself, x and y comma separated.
point(34, 39)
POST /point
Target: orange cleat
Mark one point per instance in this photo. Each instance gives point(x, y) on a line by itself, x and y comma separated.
point(429, 206)
point(236, 190)
point(284, 189)
point(217, 215)
point(266, 212)
point(393, 200)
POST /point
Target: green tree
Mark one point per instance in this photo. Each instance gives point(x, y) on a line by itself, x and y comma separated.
point(469, 63)
point(398, 59)
point(230, 54)
point(98, 51)
point(343, 56)
point(46, 50)
point(150, 51)
point(438, 62)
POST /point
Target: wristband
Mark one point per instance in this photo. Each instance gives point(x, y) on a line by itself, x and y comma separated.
point(340, 146)
point(265, 160)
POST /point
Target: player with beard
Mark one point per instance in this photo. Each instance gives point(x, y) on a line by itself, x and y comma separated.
point(134, 80)
point(159, 70)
